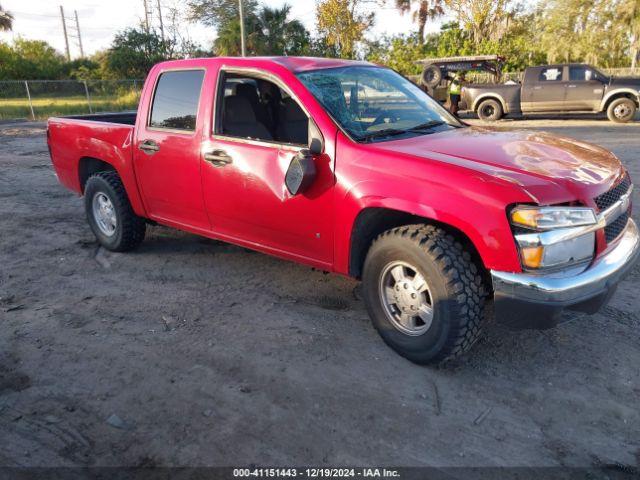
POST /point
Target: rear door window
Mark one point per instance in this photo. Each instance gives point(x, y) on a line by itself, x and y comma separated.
point(176, 99)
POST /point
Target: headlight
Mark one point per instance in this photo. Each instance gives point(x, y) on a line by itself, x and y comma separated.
point(546, 218)
point(560, 235)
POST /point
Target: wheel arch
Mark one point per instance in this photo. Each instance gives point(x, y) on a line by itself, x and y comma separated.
point(88, 166)
point(372, 221)
point(616, 94)
point(490, 96)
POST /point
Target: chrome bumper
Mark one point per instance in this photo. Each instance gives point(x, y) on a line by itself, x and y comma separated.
point(534, 301)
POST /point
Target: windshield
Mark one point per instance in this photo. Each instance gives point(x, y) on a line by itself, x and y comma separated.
point(376, 104)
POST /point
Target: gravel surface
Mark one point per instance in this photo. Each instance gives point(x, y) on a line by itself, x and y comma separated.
point(194, 352)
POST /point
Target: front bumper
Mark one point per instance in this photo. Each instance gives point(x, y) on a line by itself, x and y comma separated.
point(523, 300)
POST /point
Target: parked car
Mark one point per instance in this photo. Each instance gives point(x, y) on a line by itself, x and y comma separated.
point(350, 168)
point(567, 88)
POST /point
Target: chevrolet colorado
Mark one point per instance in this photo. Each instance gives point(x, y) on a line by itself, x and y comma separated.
point(350, 168)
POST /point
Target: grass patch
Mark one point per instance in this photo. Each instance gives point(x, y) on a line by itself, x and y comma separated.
point(45, 107)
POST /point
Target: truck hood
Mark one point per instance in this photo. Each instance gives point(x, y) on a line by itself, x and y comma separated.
point(625, 82)
point(551, 168)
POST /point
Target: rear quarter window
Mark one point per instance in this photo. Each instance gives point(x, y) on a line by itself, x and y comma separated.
point(176, 99)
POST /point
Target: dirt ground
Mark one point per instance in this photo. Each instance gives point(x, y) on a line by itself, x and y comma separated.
point(192, 352)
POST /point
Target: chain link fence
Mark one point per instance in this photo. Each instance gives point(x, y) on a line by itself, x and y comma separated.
point(40, 99)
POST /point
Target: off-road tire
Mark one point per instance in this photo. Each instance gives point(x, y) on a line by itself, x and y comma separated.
point(130, 228)
point(630, 108)
point(490, 110)
point(431, 76)
point(456, 283)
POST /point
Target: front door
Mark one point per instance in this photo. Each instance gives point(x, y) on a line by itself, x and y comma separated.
point(259, 128)
point(546, 93)
point(167, 151)
point(584, 89)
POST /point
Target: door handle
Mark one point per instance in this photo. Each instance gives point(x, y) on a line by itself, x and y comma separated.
point(537, 88)
point(572, 86)
point(218, 158)
point(149, 147)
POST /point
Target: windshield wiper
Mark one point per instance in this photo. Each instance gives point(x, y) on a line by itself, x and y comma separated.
point(426, 126)
point(387, 132)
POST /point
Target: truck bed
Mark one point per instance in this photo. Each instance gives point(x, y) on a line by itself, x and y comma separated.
point(103, 136)
point(124, 118)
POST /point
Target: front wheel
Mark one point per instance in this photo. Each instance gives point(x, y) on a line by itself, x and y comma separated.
point(424, 293)
point(110, 215)
point(621, 110)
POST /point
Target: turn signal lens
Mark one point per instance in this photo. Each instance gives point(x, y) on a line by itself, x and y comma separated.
point(527, 217)
point(532, 256)
point(546, 218)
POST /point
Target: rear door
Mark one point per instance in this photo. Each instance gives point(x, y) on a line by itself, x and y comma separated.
point(167, 150)
point(259, 127)
point(584, 89)
point(545, 90)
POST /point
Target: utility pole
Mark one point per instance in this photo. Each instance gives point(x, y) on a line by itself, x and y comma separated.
point(79, 35)
point(66, 37)
point(161, 24)
point(146, 15)
point(242, 45)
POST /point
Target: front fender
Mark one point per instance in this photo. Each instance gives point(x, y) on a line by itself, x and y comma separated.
point(619, 91)
point(478, 212)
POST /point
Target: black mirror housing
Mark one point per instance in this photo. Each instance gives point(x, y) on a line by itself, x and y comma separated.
point(301, 172)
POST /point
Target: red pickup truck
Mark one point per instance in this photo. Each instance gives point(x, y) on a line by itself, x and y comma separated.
point(350, 168)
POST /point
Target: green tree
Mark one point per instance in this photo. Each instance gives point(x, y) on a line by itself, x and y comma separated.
point(280, 35)
point(628, 12)
point(30, 60)
point(220, 13)
point(6, 20)
point(224, 16)
point(426, 9)
point(484, 19)
point(590, 31)
point(400, 52)
point(134, 51)
point(342, 24)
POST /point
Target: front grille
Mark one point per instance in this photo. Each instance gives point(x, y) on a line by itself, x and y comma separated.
point(607, 199)
point(615, 228)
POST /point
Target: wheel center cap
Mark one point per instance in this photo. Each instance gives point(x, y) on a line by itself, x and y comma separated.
point(407, 297)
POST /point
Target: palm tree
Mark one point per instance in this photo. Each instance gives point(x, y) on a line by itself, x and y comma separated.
point(426, 10)
point(281, 36)
point(6, 20)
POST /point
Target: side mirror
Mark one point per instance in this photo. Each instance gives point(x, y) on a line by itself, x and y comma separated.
point(301, 172)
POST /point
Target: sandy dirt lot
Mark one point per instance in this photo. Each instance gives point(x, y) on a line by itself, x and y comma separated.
point(193, 352)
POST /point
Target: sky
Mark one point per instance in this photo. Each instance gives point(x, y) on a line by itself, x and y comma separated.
point(99, 21)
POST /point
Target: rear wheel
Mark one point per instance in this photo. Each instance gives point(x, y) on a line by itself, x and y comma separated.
point(621, 110)
point(110, 215)
point(490, 110)
point(424, 293)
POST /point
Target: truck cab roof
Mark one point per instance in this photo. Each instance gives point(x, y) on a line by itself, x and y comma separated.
point(293, 64)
